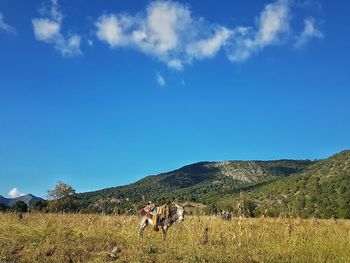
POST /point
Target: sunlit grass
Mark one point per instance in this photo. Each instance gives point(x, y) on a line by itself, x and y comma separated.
point(91, 238)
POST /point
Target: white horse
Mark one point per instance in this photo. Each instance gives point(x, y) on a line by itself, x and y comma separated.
point(176, 213)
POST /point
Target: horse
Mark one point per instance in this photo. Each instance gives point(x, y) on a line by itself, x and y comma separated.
point(175, 213)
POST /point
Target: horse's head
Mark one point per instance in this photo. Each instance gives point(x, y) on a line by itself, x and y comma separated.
point(180, 212)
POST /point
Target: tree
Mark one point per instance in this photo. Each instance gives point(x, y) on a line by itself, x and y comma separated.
point(20, 207)
point(249, 208)
point(3, 207)
point(61, 190)
point(39, 205)
point(63, 198)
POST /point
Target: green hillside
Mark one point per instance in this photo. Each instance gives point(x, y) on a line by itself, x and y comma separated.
point(202, 182)
point(323, 190)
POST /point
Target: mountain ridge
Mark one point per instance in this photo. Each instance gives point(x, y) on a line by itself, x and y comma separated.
point(199, 182)
point(28, 199)
point(301, 188)
point(322, 190)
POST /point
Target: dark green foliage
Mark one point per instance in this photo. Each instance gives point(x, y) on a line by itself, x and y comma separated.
point(64, 204)
point(20, 207)
point(63, 199)
point(321, 191)
point(271, 188)
point(3, 207)
point(40, 206)
point(203, 182)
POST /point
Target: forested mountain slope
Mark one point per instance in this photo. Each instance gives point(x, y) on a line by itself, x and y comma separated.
point(322, 190)
point(200, 182)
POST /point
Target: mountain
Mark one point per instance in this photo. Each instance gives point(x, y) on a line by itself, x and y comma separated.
point(28, 199)
point(322, 190)
point(200, 182)
point(3, 200)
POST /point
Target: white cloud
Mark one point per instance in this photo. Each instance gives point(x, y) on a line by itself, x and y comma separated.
point(273, 26)
point(160, 79)
point(14, 192)
point(175, 64)
point(209, 47)
point(48, 30)
point(166, 24)
point(6, 27)
point(166, 31)
point(169, 32)
point(310, 32)
point(110, 29)
point(70, 46)
point(274, 21)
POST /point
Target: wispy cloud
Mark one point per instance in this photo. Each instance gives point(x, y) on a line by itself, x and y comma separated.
point(5, 27)
point(166, 30)
point(48, 29)
point(169, 32)
point(310, 32)
point(312, 4)
point(206, 48)
point(14, 192)
point(272, 28)
point(160, 79)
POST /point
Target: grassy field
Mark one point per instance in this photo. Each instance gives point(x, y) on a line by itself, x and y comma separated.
point(91, 238)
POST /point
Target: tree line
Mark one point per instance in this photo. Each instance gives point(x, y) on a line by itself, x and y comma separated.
point(62, 198)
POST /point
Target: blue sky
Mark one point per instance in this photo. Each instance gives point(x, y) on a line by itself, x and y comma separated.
point(102, 93)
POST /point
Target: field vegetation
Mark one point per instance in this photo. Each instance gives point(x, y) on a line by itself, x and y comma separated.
point(97, 238)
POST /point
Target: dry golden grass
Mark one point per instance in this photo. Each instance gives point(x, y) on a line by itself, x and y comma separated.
point(91, 238)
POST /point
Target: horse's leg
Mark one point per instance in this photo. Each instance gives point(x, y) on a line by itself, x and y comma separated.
point(164, 229)
point(143, 225)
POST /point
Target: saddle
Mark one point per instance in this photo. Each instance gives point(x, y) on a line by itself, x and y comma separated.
point(163, 212)
point(158, 214)
point(149, 208)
